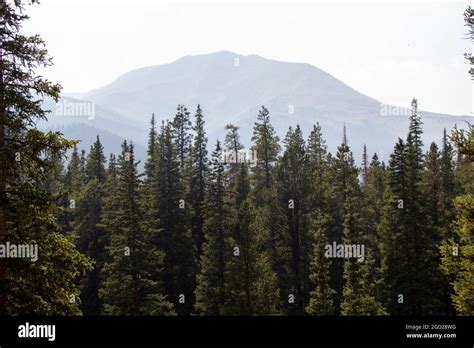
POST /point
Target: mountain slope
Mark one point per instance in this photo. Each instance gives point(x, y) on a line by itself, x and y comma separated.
point(231, 88)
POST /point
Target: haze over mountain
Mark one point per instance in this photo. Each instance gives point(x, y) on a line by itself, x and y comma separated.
point(231, 88)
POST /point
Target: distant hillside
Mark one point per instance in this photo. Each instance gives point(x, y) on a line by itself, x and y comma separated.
point(231, 88)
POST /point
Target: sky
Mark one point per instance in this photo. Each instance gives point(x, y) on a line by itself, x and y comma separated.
point(389, 50)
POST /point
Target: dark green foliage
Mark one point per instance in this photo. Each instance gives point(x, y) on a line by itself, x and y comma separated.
point(343, 176)
point(175, 236)
point(225, 238)
point(410, 250)
point(457, 251)
point(198, 178)
point(210, 290)
point(95, 162)
point(134, 265)
point(321, 297)
point(469, 22)
point(181, 126)
point(266, 148)
point(28, 157)
point(89, 235)
point(359, 293)
point(292, 180)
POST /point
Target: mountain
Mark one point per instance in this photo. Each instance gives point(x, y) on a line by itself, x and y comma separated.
point(231, 89)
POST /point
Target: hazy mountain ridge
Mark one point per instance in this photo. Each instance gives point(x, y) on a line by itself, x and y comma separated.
point(231, 89)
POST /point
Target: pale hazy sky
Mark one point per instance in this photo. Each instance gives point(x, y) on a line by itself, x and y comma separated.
point(391, 51)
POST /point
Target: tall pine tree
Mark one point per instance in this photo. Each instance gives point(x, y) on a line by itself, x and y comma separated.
point(133, 285)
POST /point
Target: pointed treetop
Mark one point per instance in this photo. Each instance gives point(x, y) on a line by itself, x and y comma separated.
point(344, 134)
point(414, 105)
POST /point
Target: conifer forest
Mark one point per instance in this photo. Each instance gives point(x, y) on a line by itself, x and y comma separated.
point(277, 224)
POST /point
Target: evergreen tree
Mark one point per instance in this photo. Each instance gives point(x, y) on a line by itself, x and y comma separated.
point(469, 20)
point(458, 255)
point(150, 193)
point(411, 256)
point(27, 157)
point(89, 235)
point(73, 179)
point(152, 151)
point(95, 162)
point(365, 164)
point(318, 167)
point(291, 186)
point(321, 297)
point(343, 175)
point(373, 202)
point(391, 230)
point(232, 154)
point(199, 170)
point(181, 126)
point(266, 148)
point(134, 265)
point(175, 237)
point(210, 290)
point(359, 292)
point(251, 284)
point(82, 167)
point(426, 290)
point(447, 190)
point(432, 189)
point(446, 212)
point(109, 206)
point(110, 212)
point(56, 185)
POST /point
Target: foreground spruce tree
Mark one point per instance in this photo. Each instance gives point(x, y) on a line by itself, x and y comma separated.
point(292, 180)
point(321, 296)
point(265, 150)
point(27, 158)
point(411, 254)
point(175, 235)
point(181, 125)
point(359, 292)
point(372, 200)
point(251, 284)
point(343, 177)
point(210, 291)
point(198, 177)
point(89, 235)
point(133, 269)
point(457, 251)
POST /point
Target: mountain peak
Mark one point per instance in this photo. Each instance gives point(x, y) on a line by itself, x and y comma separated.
point(219, 54)
point(232, 90)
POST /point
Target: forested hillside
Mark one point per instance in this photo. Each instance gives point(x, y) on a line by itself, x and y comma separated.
point(283, 227)
point(270, 229)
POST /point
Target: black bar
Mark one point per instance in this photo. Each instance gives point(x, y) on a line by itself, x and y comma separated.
point(289, 330)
